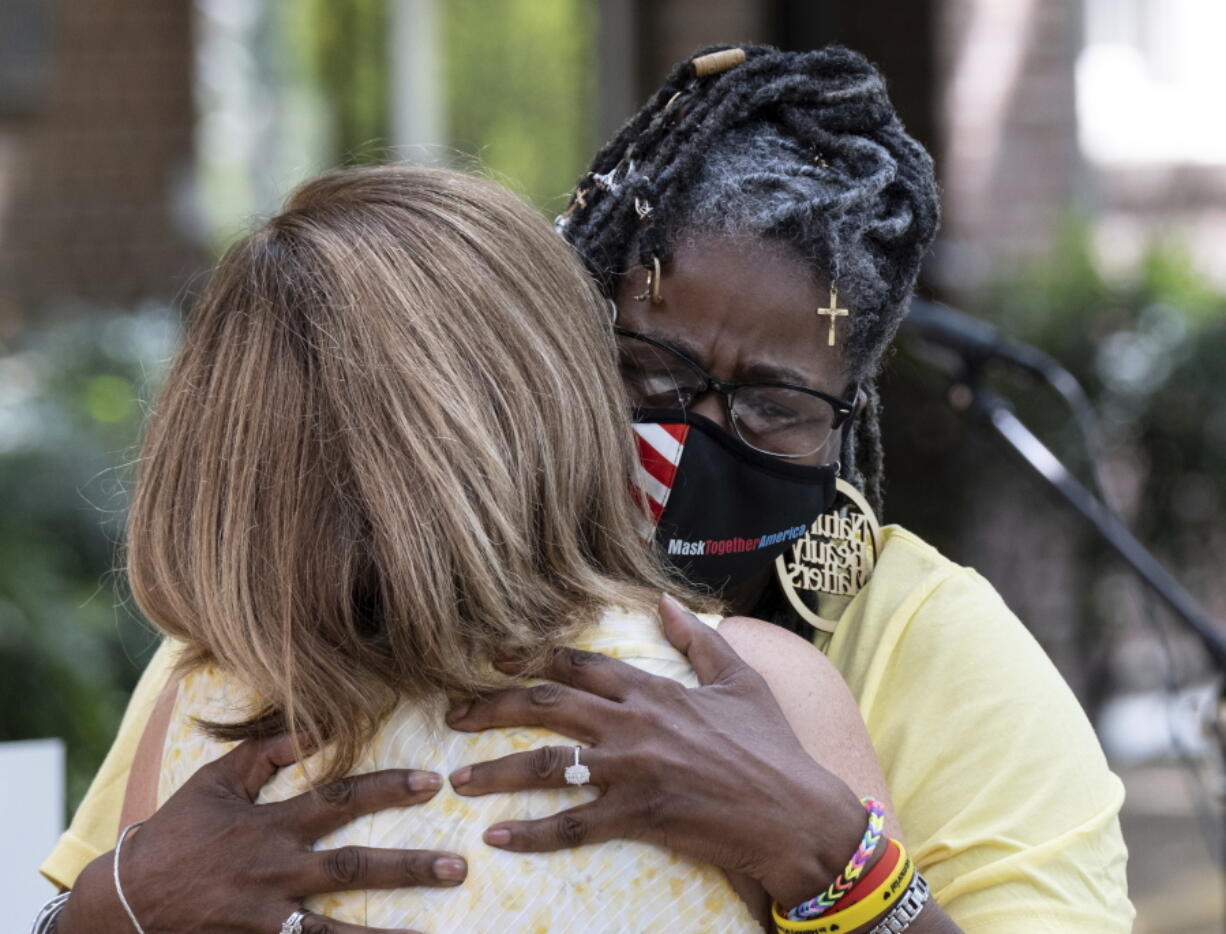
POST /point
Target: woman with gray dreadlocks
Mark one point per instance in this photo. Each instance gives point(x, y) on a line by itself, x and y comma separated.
point(757, 229)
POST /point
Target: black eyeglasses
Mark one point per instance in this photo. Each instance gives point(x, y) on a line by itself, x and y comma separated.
point(775, 418)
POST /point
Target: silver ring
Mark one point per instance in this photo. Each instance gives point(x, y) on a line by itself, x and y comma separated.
point(577, 774)
point(293, 924)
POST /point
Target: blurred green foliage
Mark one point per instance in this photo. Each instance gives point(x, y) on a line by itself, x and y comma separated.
point(520, 86)
point(70, 646)
point(286, 89)
point(1146, 348)
point(347, 50)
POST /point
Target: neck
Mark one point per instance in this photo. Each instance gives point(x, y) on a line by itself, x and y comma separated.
point(744, 596)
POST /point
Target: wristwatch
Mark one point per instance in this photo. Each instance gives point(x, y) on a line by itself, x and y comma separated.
point(906, 909)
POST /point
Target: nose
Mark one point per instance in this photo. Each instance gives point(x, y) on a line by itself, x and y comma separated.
point(712, 405)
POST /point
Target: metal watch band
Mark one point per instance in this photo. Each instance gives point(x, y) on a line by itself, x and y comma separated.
point(906, 909)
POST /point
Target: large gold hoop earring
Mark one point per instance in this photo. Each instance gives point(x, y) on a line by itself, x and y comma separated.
point(821, 572)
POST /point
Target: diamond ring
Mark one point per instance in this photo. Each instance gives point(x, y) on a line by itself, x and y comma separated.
point(577, 774)
point(293, 924)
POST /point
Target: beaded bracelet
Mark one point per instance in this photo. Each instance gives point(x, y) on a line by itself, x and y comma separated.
point(882, 871)
point(870, 908)
point(816, 907)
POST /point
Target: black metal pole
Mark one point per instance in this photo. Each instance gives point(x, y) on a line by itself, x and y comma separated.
point(997, 415)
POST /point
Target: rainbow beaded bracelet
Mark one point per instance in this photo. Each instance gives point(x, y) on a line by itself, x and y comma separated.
point(816, 907)
point(876, 907)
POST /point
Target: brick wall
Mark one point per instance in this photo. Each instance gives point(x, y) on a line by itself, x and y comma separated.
point(94, 177)
point(670, 30)
point(1011, 169)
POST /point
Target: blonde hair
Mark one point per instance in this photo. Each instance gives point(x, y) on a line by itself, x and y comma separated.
point(393, 444)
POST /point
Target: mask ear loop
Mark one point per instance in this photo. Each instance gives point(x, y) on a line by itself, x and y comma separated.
point(846, 446)
point(612, 310)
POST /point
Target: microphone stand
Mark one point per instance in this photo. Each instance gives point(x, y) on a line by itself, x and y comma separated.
point(970, 395)
point(993, 412)
point(961, 346)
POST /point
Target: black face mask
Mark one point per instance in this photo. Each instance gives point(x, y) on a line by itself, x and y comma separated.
point(723, 511)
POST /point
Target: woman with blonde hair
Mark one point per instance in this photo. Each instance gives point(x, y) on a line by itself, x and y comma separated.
point(390, 463)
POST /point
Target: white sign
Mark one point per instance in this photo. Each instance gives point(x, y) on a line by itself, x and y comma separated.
point(31, 820)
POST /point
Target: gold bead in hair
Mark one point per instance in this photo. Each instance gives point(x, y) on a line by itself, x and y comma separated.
point(714, 62)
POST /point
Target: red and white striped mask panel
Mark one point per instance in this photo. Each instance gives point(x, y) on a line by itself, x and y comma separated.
point(660, 448)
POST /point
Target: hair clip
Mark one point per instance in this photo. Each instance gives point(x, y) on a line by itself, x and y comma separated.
point(675, 109)
point(611, 181)
point(577, 202)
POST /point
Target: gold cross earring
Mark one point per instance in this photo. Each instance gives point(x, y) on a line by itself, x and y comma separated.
point(834, 312)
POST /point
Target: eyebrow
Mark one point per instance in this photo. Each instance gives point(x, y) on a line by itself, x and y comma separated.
point(757, 372)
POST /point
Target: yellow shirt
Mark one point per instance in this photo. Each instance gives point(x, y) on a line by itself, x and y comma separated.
point(1002, 790)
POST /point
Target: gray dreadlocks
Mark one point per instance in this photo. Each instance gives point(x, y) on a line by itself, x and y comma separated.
point(800, 147)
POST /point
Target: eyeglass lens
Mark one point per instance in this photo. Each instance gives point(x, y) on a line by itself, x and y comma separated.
point(772, 419)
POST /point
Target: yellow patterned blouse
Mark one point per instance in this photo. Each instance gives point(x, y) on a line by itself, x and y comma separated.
point(614, 887)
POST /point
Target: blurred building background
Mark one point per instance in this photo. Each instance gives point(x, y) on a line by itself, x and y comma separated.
point(1082, 156)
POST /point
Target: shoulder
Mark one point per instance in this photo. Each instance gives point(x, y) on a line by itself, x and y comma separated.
point(929, 636)
point(815, 701)
point(774, 652)
point(802, 679)
point(921, 607)
point(806, 684)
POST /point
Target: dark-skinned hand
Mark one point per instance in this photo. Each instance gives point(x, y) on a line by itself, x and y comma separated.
point(212, 860)
point(714, 772)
